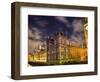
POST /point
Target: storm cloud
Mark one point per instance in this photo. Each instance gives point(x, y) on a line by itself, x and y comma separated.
point(40, 27)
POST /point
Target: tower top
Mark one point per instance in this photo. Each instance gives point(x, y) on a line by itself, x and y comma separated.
point(60, 33)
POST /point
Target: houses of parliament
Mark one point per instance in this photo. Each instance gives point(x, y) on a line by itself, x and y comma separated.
point(59, 51)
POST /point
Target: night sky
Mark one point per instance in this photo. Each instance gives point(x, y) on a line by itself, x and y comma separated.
point(40, 27)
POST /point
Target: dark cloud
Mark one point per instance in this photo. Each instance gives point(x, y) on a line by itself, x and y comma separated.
point(40, 27)
point(64, 21)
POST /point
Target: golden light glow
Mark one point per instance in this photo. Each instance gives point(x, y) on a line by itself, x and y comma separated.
point(72, 53)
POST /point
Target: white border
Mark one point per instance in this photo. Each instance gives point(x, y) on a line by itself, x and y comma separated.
point(25, 70)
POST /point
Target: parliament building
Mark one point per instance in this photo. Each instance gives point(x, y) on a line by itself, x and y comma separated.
point(59, 51)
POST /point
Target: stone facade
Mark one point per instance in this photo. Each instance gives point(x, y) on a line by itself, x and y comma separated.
point(59, 52)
